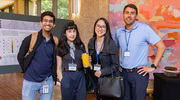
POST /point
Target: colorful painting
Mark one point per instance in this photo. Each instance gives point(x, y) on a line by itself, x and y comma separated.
point(163, 16)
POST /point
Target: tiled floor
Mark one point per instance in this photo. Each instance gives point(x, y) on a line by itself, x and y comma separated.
point(11, 86)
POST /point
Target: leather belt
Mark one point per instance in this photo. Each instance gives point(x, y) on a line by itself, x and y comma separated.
point(77, 70)
point(130, 70)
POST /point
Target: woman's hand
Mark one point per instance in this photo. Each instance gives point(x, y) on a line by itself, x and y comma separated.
point(98, 73)
point(120, 68)
point(60, 78)
point(90, 59)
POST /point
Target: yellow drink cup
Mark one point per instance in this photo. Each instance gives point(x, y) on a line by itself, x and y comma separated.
point(85, 57)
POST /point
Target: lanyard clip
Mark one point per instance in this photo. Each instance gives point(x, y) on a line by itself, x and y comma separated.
point(46, 80)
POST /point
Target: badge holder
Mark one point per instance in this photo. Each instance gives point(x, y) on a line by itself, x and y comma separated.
point(45, 87)
point(127, 53)
point(72, 67)
point(97, 67)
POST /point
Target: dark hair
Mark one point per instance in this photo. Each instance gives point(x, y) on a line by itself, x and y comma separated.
point(47, 13)
point(131, 6)
point(107, 35)
point(63, 45)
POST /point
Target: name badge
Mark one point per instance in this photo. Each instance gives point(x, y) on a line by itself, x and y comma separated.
point(72, 67)
point(97, 67)
point(45, 88)
point(127, 53)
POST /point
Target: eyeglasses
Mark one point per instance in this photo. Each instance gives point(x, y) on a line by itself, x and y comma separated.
point(101, 27)
point(46, 20)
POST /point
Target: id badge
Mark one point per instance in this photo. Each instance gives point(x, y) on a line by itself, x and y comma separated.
point(45, 88)
point(97, 67)
point(72, 67)
point(127, 53)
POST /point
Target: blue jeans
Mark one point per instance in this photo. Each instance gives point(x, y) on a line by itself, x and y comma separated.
point(30, 89)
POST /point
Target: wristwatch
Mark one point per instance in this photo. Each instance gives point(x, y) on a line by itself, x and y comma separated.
point(153, 66)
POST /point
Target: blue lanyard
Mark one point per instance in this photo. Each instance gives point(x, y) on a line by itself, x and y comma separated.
point(127, 42)
point(70, 52)
point(97, 54)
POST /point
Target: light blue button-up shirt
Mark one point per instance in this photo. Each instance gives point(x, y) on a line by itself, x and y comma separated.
point(140, 37)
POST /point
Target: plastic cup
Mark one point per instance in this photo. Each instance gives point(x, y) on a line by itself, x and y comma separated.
point(85, 57)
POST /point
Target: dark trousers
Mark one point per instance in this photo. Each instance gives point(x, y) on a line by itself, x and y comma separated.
point(135, 85)
point(73, 86)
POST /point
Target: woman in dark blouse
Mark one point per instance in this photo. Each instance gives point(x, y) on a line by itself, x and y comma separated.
point(103, 51)
point(70, 49)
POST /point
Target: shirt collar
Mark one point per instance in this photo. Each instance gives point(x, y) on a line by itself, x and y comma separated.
point(134, 27)
point(51, 36)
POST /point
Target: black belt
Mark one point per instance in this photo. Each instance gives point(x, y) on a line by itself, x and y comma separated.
point(77, 70)
point(130, 70)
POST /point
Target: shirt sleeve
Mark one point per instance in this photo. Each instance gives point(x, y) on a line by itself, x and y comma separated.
point(116, 38)
point(152, 38)
point(57, 52)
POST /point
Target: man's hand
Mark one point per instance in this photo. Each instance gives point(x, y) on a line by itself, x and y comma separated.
point(145, 70)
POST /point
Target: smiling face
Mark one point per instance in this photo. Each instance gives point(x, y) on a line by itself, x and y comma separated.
point(100, 28)
point(129, 16)
point(71, 34)
point(47, 23)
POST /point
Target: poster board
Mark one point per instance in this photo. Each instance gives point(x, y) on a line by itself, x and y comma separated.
point(13, 29)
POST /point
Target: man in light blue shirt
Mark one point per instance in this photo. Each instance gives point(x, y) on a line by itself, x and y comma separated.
point(134, 39)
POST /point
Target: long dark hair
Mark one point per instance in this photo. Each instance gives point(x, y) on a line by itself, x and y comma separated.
point(107, 35)
point(63, 45)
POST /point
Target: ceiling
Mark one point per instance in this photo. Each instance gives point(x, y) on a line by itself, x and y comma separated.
point(5, 3)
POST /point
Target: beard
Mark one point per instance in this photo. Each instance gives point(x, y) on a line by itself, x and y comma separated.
point(130, 23)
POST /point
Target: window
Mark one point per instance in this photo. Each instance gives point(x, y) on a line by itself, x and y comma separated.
point(46, 5)
point(63, 9)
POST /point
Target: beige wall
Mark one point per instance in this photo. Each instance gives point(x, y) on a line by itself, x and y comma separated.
point(89, 12)
point(19, 6)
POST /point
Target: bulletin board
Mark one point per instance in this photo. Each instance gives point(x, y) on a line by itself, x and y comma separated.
point(13, 29)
